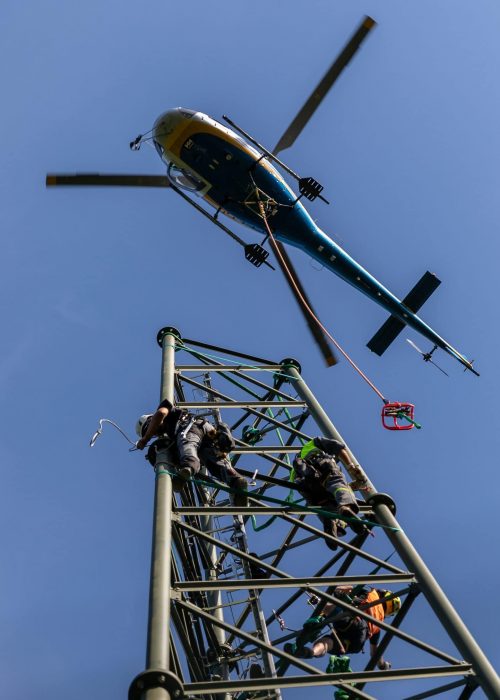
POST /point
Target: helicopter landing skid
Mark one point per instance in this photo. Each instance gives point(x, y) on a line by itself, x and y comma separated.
point(308, 186)
point(254, 253)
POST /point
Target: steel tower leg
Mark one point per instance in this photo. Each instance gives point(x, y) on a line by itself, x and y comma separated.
point(201, 574)
point(157, 682)
point(435, 596)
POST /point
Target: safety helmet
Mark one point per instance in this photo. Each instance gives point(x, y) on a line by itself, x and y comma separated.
point(139, 426)
point(391, 606)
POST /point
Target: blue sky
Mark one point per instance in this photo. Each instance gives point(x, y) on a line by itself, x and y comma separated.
point(407, 145)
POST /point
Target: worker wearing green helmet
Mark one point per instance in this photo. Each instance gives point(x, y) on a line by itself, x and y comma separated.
point(321, 481)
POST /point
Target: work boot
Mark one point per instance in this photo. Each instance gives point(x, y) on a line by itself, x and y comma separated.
point(298, 652)
point(185, 473)
point(341, 528)
point(339, 664)
point(330, 528)
point(258, 571)
point(240, 483)
point(255, 671)
point(355, 523)
point(177, 484)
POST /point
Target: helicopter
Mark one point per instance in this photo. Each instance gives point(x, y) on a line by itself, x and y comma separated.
point(234, 174)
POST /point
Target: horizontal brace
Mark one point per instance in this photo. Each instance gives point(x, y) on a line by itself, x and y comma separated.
point(215, 686)
point(437, 691)
point(241, 404)
point(228, 368)
point(227, 351)
point(266, 449)
point(264, 477)
point(247, 510)
point(295, 582)
point(262, 416)
point(323, 594)
point(210, 391)
point(264, 646)
point(345, 545)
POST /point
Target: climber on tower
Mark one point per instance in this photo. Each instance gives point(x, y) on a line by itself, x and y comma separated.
point(320, 480)
point(349, 632)
point(197, 441)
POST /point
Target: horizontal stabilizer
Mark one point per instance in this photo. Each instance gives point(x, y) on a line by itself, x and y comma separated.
point(385, 335)
point(427, 284)
point(390, 330)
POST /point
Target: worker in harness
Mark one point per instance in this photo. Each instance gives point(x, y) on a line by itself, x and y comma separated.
point(213, 452)
point(349, 632)
point(320, 480)
point(196, 441)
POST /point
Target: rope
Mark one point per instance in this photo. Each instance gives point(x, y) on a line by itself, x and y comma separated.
point(99, 430)
point(291, 477)
point(309, 310)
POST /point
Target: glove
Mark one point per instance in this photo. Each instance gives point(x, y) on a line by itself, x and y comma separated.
point(151, 454)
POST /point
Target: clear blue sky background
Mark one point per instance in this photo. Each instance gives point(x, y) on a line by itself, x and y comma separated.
point(407, 145)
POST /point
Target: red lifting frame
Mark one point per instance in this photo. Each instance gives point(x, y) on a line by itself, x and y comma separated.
point(393, 412)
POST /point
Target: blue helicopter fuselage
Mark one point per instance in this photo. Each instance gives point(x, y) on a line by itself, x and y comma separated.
point(214, 162)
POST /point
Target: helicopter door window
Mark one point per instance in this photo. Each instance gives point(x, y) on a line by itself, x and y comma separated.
point(184, 179)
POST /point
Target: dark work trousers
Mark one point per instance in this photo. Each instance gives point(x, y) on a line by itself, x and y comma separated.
point(352, 632)
point(218, 466)
point(188, 445)
point(329, 494)
point(336, 485)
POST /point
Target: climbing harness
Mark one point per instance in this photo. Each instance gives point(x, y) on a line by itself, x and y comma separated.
point(189, 425)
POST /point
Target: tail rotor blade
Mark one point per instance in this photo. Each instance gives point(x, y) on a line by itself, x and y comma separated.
point(96, 179)
point(439, 368)
point(415, 346)
point(324, 85)
point(318, 335)
point(426, 356)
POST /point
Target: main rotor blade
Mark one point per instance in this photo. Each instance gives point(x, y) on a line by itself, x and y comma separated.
point(318, 335)
point(324, 85)
point(107, 180)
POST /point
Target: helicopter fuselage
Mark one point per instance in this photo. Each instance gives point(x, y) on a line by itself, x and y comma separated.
point(214, 162)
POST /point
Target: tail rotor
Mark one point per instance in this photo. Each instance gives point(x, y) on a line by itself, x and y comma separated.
point(427, 356)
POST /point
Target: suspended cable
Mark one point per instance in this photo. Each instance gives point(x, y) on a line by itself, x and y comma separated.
point(309, 310)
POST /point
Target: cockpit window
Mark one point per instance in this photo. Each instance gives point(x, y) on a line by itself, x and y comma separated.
point(184, 179)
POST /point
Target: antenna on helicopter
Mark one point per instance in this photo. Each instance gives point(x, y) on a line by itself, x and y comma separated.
point(427, 356)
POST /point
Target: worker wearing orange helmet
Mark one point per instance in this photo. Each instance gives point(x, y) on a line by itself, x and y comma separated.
point(349, 632)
